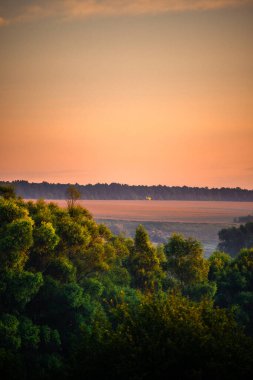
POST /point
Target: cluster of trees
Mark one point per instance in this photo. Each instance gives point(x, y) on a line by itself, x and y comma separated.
point(244, 219)
point(233, 239)
point(77, 301)
point(121, 191)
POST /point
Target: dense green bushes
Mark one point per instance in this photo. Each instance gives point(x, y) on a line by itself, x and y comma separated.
point(78, 302)
point(235, 238)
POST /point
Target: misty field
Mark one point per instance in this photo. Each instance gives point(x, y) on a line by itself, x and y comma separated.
point(166, 211)
point(200, 219)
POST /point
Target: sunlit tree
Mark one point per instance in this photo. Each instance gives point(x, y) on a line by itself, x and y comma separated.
point(185, 260)
point(73, 194)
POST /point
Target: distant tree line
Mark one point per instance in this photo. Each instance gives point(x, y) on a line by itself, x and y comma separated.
point(244, 219)
point(118, 191)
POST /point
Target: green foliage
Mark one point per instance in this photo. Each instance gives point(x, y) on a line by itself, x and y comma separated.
point(144, 262)
point(61, 269)
point(18, 288)
point(72, 295)
point(76, 300)
point(9, 332)
point(50, 338)
point(30, 334)
point(45, 240)
point(18, 236)
point(15, 234)
point(123, 247)
point(233, 239)
point(169, 335)
point(73, 235)
point(104, 232)
point(119, 276)
point(10, 211)
point(93, 286)
point(235, 288)
point(40, 211)
point(218, 263)
point(141, 241)
point(185, 260)
point(73, 194)
point(15, 240)
point(200, 291)
point(89, 261)
point(7, 192)
point(79, 214)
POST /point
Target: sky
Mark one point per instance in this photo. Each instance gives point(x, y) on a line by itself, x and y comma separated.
point(139, 92)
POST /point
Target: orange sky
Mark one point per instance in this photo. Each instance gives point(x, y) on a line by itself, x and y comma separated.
point(137, 92)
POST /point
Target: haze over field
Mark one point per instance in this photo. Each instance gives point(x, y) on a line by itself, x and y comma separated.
point(161, 219)
point(165, 211)
point(138, 92)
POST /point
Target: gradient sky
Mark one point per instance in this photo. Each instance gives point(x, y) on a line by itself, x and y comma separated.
point(137, 92)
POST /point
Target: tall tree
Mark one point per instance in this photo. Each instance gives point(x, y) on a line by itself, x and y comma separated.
point(73, 194)
point(186, 260)
point(144, 262)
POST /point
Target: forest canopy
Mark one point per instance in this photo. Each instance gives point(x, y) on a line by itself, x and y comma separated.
point(77, 301)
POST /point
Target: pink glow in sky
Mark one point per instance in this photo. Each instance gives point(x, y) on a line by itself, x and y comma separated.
point(137, 92)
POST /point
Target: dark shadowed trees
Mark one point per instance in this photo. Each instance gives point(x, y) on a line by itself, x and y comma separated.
point(235, 238)
point(7, 191)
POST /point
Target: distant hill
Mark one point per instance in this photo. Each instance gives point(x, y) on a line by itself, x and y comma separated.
point(119, 191)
